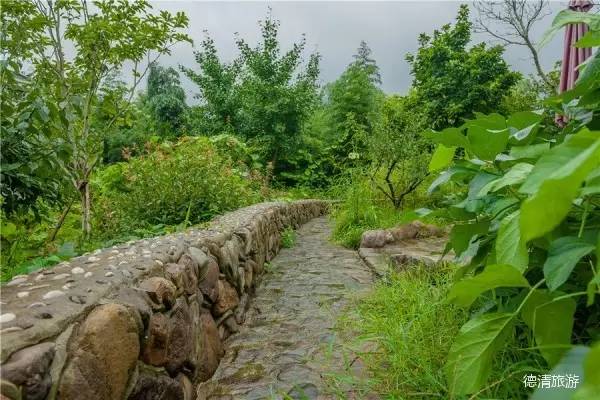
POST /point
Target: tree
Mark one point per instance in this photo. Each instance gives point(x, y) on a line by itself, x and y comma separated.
point(353, 101)
point(277, 96)
point(397, 151)
point(218, 83)
point(103, 39)
point(363, 59)
point(28, 158)
point(166, 100)
point(451, 81)
point(28, 162)
point(511, 22)
point(265, 95)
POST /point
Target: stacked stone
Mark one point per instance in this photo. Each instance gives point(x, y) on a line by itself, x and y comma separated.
point(144, 320)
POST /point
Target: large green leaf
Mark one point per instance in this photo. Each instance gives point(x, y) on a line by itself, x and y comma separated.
point(486, 144)
point(572, 365)
point(462, 234)
point(449, 137)
point(555, 181)
point(478, 182)
point(523, 124)
point(453, 173)
point(466, 291)
point(510, 249)
point(470, 358)
point(592, 183)
point(563, 255)
point(493, 121)
point(541, 312)
point(532, 151)
point(590, 39)
point(516, 175)
point(442, 157)
point(591, 375)
point(567, 17)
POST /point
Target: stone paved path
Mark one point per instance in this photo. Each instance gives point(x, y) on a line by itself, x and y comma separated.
point(283, 349)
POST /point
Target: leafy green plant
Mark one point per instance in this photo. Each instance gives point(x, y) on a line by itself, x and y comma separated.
point(265, 95)
point(187, 181)
point(453, 81)
point(288, 238)
point(396, 150)
point(527, 224)
point(400, 333)
point(102, 39)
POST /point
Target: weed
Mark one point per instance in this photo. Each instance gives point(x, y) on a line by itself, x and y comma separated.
point(288, 238)
point(401, 332)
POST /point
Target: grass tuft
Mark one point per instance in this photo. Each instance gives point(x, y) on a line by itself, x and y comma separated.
point(288, 238)
point(395, 341)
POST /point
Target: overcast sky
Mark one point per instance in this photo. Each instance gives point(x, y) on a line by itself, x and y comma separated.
point(335, 29)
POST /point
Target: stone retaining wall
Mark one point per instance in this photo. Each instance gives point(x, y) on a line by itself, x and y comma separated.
point(143, 320)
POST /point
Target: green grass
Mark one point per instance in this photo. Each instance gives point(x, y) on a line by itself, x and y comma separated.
point(364, 208)
point(401, 333)
point(360, 211)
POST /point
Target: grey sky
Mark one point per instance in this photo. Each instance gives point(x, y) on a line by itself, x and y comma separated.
point(335, 29)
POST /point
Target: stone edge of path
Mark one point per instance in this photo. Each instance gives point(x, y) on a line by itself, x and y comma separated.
point(141, 318)
point(400, 247)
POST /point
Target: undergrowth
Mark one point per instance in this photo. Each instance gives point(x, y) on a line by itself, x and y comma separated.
point(397, 337)
point(363, 208)
point(288, 238)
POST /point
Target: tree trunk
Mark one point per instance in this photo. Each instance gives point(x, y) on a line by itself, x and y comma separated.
point(538, 67)
point(86, 227)
point(61, 220)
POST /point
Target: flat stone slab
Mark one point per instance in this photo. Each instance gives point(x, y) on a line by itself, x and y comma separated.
point(398, 255)
point(281, 351)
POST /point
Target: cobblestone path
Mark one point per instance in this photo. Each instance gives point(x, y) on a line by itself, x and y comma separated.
point(286, 344)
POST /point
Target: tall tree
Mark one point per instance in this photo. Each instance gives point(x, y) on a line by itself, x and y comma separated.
point(353, 102)
point(265, 95)
point(453, 81)
point(103, 38)
point(277, 96)
point(218, 83)
point(166, 100)
point(512, 22)
point(28, 157)
point(363, 59)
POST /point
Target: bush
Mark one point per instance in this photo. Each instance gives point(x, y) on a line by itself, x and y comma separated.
point(187, 182)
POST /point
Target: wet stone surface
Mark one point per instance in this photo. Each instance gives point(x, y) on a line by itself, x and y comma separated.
point(283, 348)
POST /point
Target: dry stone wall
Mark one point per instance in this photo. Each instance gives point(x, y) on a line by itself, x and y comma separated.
point(143, 320)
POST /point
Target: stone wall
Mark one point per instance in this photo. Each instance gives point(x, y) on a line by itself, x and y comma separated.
point(143, 320)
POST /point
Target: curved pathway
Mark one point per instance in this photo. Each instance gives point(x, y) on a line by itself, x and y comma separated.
point(287, 342)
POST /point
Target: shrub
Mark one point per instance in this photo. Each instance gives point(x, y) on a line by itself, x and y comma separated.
point(528, 222)
point(189, 181)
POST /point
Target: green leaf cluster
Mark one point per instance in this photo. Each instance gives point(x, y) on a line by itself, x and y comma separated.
point(526, 225)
